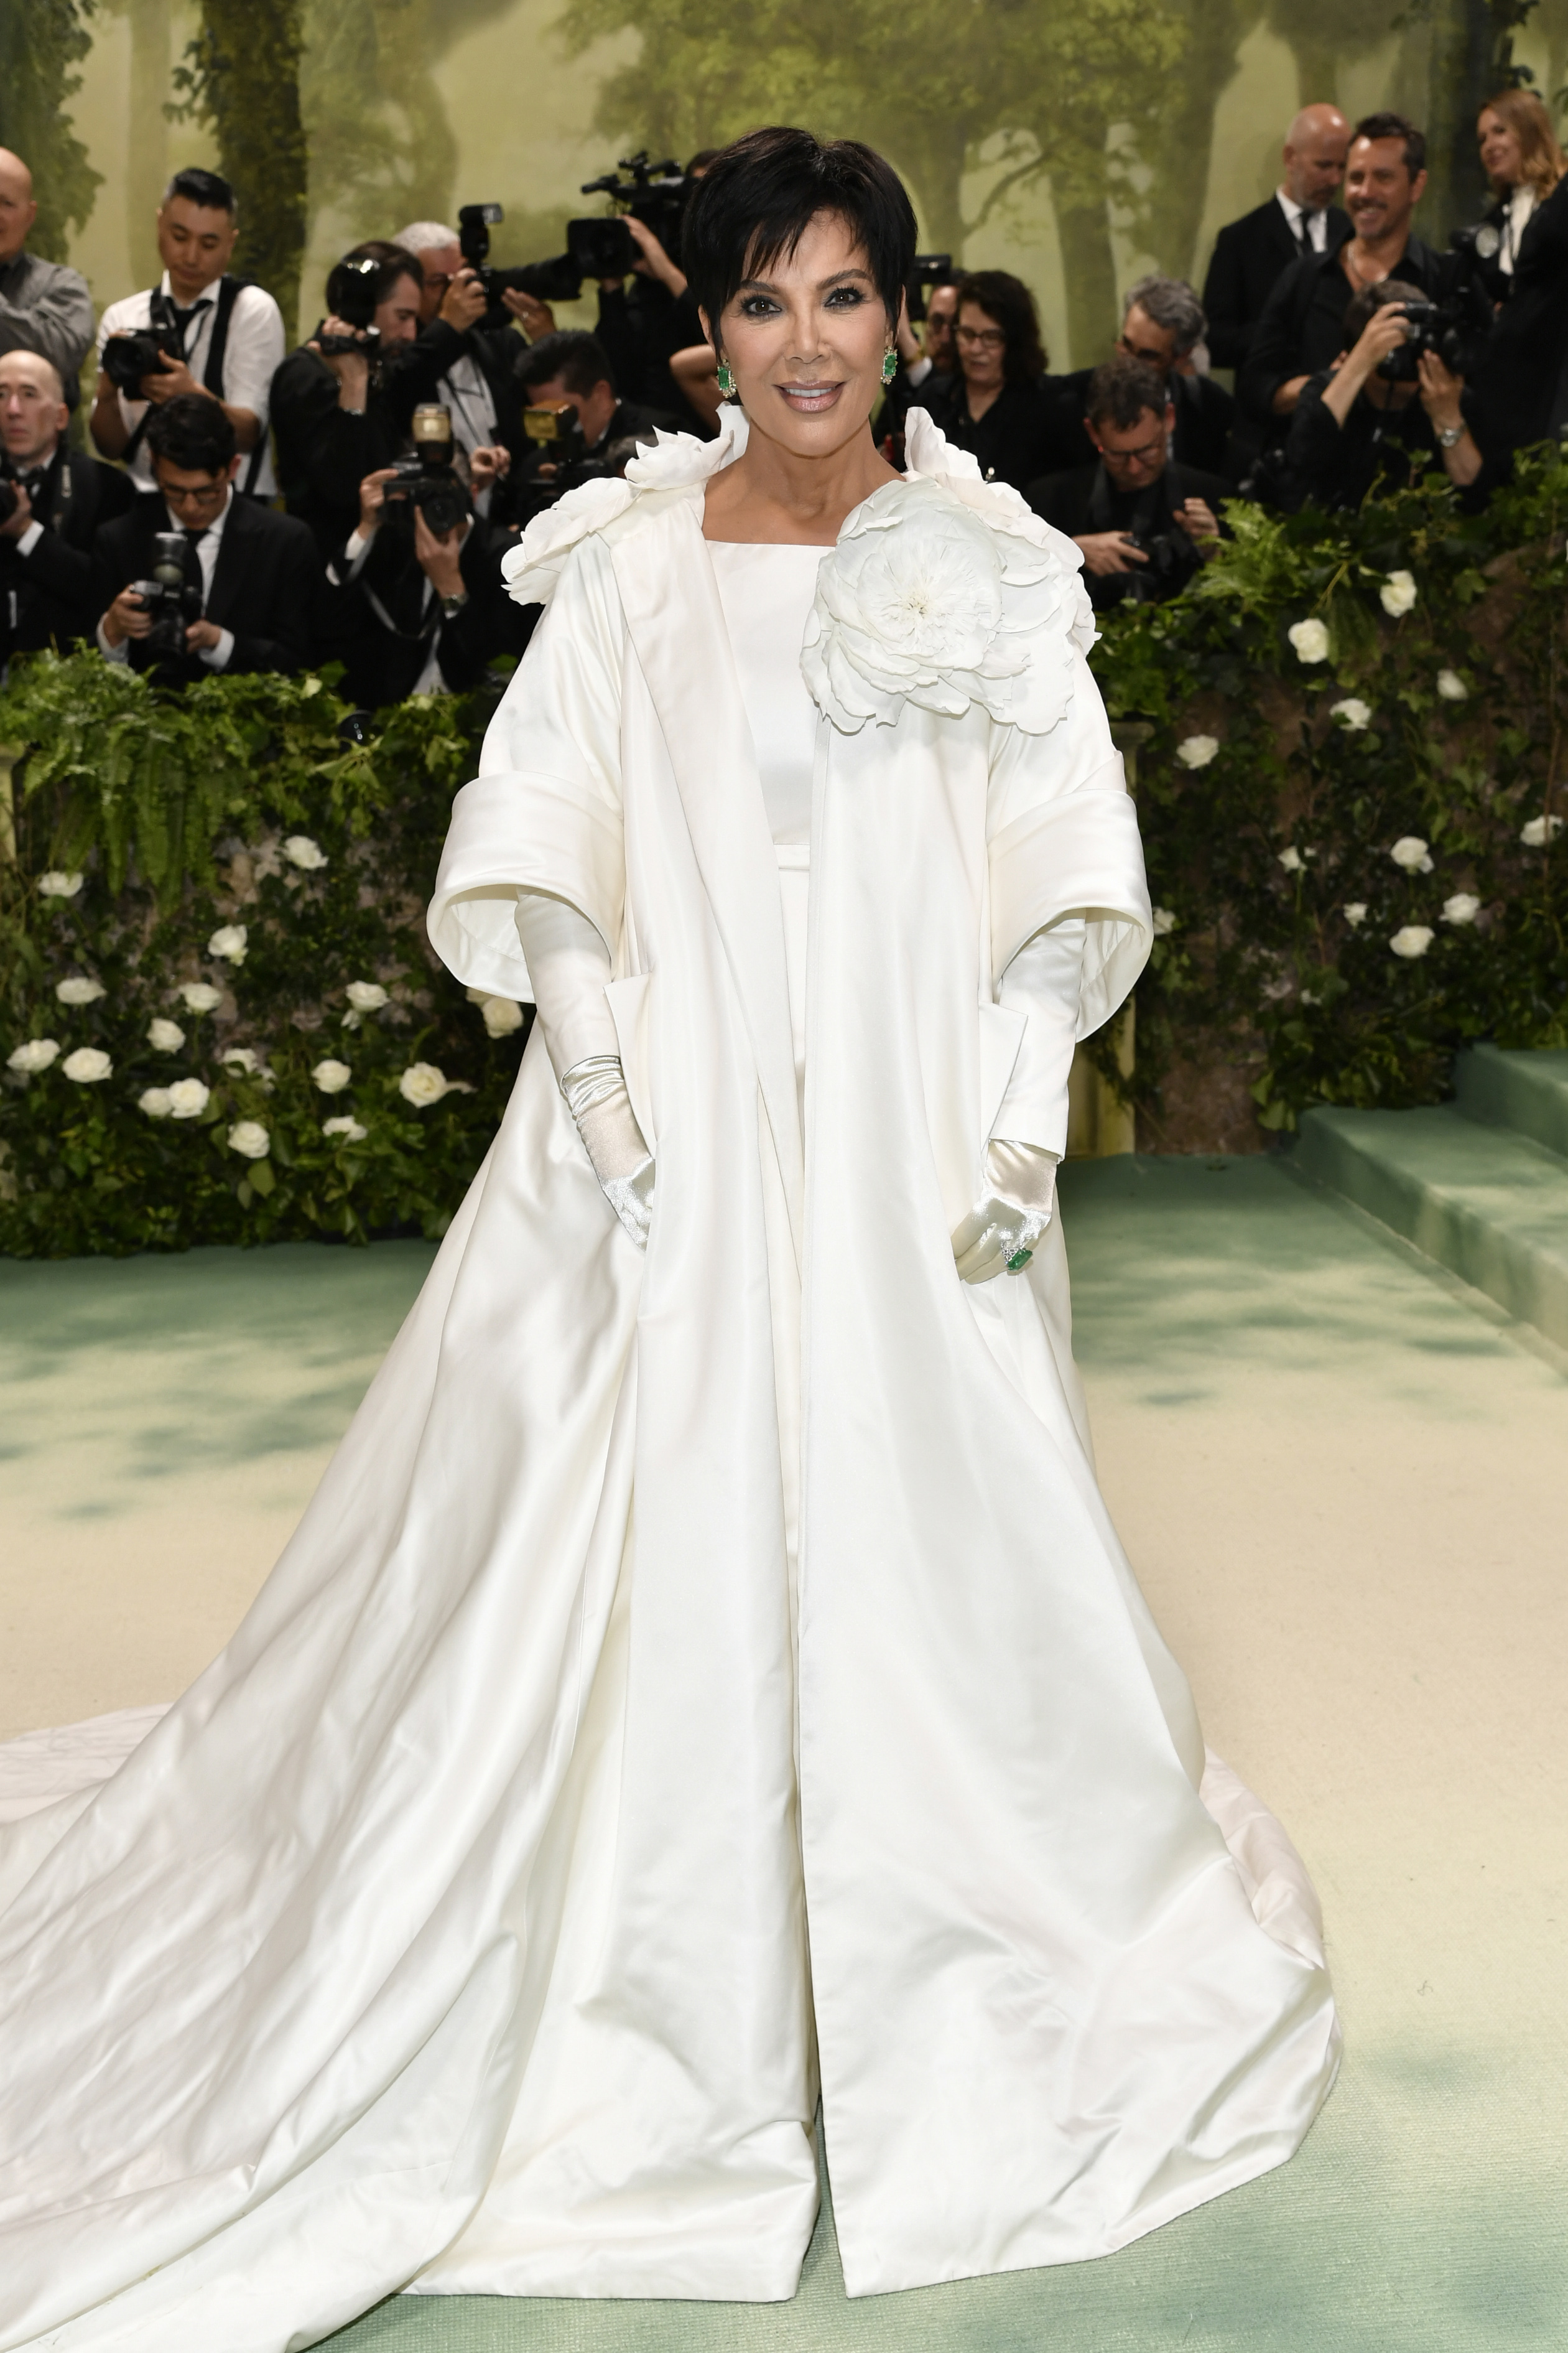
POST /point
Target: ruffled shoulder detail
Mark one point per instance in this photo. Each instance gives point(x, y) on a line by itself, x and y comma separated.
point(676, 461)
point(944, 591)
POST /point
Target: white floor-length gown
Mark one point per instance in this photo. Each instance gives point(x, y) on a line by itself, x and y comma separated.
point(703, 1682)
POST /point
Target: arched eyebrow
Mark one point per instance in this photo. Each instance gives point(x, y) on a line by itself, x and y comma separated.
point(823, 285)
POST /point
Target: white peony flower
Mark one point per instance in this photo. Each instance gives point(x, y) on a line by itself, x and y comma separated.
point(1412, 940)
point(367, 996)
point(165, 1037)
point(501, 1014)
point(249, 1138)
point(228, 943)
point(938, 594)
point(1290, 859)
point(1452, 687)
point(201, 997)
point(188, 1098)
point(1310, 640)
point(301, 852)
point(241, 1057)
point(331, 1077)
point(1164, 922)
point(349, 1129)
point(1411, 852)
point(1398, 593)
point(1539, 831)
point(1462, 908)
point(422, 1083)
point(156, 1102)
point(1355, 714)
point(35, 1056)
point(87, 1065)
point(78, 991)
point(1355, 912)
point(1197, 751)
point(56, 885)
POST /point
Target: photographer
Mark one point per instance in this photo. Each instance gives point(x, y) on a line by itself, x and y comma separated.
point(644, 323)
point(246, 599)
point(1017, 422)
point(460, 359)
point(1143, 521)
point(200, 332)
point(52, 500)
point(1384, 409)
point(1163, 325)
point(43, 307)
point(334, 420)
point(571, 370)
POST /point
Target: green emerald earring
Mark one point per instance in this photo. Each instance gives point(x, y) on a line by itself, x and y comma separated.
point(890, 366)
point(726, 380)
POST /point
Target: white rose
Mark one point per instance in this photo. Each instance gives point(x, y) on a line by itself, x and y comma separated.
point(331, 1077)
point(1355, 714)
point(35, 1056)
point(501, 1016)
point(1354, 911)
point(301, 852)
point(1412, 940)
point(241, 1057)
point(201, 997)
point(1462, 908)
point(349, 1129)
point(1539, 831)
point(1197, 751)
point(188, 1098)
point(87, 1065)
point(367, 996)
point(1411, 852)
point(56, 885)
point(78, 991)
point(1164, 922)
point(1290, 859)
point(249, 1138)
point(228, 943)
point(156, 1102)
point(165, 1037)
point(1452, 687)
point(1398, 593)
point(1310, 640)
point(422, 1083)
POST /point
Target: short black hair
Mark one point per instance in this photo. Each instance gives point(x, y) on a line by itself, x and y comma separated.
point(208, 189)
point(1396, 126)
point(1368, 301)
point(193, 433)
point(1122, 390)
point(760, 196)
point(1008, 300)
point(576, 358)
point(392, 262)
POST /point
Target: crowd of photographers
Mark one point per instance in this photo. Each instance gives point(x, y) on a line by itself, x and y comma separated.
point(351, 500)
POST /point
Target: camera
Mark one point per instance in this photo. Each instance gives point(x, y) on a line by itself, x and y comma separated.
point(602, 248)
point(145, 351)
point(556, 280)
point(427, 479)
point(654, 193)
point(558, 459)
point(930, 269)
point(351, 297)
point(1172, 560)
point(172, 600)
point(1458, 325)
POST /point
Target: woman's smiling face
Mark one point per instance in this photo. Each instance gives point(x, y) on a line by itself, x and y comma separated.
point(805, 338)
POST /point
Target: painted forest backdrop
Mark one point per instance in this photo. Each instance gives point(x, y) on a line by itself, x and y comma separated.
point(1078, 142)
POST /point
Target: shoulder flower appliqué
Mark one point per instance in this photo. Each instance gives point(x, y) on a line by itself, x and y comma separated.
point(674, 462)
point(945, 591)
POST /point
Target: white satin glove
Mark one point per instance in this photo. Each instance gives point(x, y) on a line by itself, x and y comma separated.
point(1001, 1231)
point(597, 1097)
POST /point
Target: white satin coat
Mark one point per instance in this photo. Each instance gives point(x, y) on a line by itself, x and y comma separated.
point(701, 1679)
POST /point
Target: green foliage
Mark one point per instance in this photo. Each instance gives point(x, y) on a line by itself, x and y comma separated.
point(1258, 854)
point(185, 816)
point(243, 78)
point(40, 41)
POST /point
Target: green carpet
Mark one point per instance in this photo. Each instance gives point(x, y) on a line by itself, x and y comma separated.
point(1343, 1482)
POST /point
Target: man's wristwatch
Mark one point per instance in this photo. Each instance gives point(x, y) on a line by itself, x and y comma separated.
point(1450, 436)
point(451, 604)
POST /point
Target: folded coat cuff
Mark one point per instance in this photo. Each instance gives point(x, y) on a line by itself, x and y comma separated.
point(511, 833)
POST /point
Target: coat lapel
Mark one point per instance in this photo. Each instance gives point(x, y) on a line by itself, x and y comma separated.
point(229, 568)
point(670, 599)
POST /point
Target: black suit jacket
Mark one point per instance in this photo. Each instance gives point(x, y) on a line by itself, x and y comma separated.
point(1301, 331)
point(265, 588)
point(1067, 500)
point(417, 370)
point(1250, 257)
point(1521, 383)
point(45, 598)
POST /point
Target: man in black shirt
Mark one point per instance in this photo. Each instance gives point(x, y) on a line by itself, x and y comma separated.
point(1143, 521)
point(52, 500)
point(1299, 220)
point(332, 413)
point(1356, 425)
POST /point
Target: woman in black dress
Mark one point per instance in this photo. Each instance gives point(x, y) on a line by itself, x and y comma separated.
point(1018, 422)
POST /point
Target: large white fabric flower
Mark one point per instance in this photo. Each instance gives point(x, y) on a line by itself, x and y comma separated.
point(201, 997)
point(1197, 751)
point(1462, 908)
point(1310, 640)
point(1355, 715)
point(56, 885)
point(331, 1077)
point(165, 1037)
point(1539, 831)
point(1411, 852)
point(1412, 940)
point(188, 1098)
point(34, 1056)
point(304, 853)
point(422, 1083)
point(78, 990)
point(365, 996)
point(250, 1139)
point(676, 461)
point(1398, 593)
point(228, 943)
point(87, 1065)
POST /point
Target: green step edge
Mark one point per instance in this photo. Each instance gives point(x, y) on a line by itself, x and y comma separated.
point(1490, 1206)
point(1527, 1092)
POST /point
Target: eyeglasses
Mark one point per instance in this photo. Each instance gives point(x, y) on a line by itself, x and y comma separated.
point(1142, 455)
point(988, 339)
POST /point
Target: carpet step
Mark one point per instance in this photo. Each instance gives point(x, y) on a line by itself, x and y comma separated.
point(1526, 1092)
point(1488, 1203)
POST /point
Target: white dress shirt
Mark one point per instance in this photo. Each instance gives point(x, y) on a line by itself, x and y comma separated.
point(216, 656)
point(254, 355)
point(1516, 220)
point(1316, 223)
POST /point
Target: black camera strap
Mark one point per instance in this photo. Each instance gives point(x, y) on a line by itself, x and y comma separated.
point(165, 319)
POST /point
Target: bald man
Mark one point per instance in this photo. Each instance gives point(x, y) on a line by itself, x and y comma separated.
point(43, 306)
point(52, 500)
point(1300, 218)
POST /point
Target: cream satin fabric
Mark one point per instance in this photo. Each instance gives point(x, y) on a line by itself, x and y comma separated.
point(452, 1930)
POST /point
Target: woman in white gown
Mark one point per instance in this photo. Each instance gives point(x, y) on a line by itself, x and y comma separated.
point(706, 1679)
